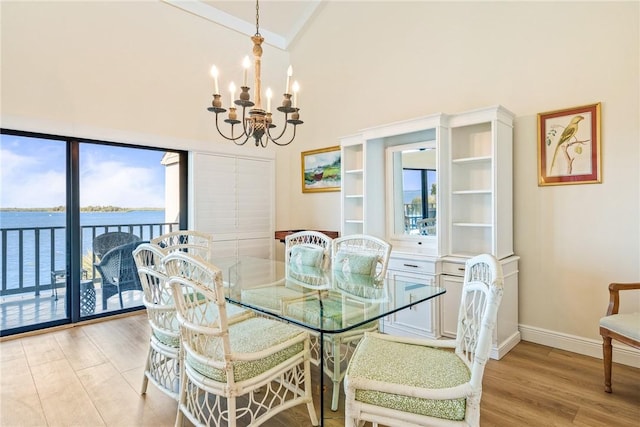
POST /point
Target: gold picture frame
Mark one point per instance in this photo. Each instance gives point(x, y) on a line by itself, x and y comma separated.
point(569, 146)
point(321, 170)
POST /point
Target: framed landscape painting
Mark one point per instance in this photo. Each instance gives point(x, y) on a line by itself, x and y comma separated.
point(321, 170)
point(569, 146)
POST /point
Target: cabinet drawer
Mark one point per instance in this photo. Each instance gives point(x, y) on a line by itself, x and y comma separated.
point(412, 265)
point(453, 268)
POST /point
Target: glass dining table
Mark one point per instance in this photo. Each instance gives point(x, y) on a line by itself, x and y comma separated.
point(321, 301)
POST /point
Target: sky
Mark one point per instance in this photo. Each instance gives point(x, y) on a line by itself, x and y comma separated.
point(32, 174)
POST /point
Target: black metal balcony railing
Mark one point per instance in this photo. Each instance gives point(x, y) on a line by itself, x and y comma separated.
point(30, 257)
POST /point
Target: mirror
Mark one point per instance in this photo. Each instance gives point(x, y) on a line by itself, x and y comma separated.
point(413, 180)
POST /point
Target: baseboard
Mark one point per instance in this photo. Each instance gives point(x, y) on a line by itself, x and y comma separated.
point(505, 346)
point(622, 354)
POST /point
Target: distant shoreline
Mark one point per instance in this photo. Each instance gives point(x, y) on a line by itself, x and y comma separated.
point(84, 209)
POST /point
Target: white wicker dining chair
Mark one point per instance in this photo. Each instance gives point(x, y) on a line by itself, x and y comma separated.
point(304, 249)
point(193, 242)
point(357, 256)
point(162, 365)
point(417, 382)
point(239, 370)
point(308, 248)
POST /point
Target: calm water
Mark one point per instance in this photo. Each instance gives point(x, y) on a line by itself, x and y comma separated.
point(39, 220)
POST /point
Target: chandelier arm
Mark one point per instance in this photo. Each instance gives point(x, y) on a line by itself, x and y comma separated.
point(232, 137)
point(288, 142)
point(243, 142)
point(284, 129)
point(247, 131)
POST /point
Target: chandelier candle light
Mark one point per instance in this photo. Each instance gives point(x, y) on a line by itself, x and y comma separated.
point(258, 121)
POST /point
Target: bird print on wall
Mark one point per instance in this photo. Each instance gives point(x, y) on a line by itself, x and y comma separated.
point(568, 144)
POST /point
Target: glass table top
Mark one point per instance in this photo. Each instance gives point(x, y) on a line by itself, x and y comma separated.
point(327, 301)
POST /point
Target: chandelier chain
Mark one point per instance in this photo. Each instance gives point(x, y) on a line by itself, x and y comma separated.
point(257, 19)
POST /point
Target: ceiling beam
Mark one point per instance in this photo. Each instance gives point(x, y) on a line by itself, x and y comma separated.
point(234, 23)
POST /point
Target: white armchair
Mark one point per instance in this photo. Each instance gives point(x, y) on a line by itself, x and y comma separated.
point(415, 382)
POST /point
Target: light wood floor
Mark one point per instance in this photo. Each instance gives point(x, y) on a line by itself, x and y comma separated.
point(90, 375)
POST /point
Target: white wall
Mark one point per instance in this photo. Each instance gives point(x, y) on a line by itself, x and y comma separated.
point(138, 72)
point(377, 62)
point(134, 70)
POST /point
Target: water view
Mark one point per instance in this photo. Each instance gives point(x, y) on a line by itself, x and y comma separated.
point(46, 231)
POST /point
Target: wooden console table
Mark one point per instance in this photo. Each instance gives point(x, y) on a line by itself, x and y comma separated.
point(282, 234)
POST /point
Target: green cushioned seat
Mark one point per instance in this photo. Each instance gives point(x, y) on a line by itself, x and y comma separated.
point(270, 297)
point(166, 339)
point(249, 336)
point(377, 359)
point(308, 310)
point(174, 341)
point(332, 311)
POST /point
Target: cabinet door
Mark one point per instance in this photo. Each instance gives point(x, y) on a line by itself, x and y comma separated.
point(421, 320)
point(233, 198)
point(450, 304)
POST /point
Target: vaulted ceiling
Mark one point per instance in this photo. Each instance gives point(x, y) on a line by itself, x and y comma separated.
point(280, 21)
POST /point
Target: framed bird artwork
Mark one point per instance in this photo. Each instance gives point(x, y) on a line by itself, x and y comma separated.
point(569, 146)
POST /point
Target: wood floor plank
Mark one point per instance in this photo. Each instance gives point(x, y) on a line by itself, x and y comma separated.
point(11, 350)
point(124, 343)
point(79, 350)
point(115, 399)
point(64, 400)
point(161, 404)
point(42, 349)
point(19, 400)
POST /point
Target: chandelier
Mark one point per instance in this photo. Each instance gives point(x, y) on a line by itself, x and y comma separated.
point(257, 121)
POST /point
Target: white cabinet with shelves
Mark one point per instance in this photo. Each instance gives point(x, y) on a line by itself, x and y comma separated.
point(421, 320)
point(480, 177)
point(473, 210)
point(352, 185)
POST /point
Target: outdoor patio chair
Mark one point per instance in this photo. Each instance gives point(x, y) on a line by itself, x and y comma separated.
point(418, 382)
point(103, 243)
point(119, 272)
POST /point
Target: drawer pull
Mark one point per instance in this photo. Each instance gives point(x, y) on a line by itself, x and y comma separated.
point(460, 268)
point(411, 265)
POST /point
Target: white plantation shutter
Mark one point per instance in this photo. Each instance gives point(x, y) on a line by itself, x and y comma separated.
point(234, 199)
point(254, 197)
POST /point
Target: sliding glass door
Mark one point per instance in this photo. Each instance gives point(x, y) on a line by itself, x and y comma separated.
point(33, 227)
point(71, 212)
point(122, 203)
